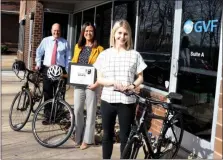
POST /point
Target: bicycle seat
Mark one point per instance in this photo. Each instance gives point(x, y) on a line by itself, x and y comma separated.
point(174, 96)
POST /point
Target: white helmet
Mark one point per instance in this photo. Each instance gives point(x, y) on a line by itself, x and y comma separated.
point(54, 72)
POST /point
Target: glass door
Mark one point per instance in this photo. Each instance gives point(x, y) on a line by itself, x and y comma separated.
point(50, 19)
point(103, 24)
point(155, 40)
point(126, 10)
point(76, 29)
point(197, 71)
point(89, 16)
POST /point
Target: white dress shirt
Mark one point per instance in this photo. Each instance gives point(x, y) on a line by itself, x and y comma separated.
point(46, 48)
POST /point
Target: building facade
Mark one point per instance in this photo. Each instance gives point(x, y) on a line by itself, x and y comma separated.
point(10, 29)
point(180, 41)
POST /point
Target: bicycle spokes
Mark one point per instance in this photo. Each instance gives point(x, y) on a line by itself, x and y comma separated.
point(20, 110)
point(25, 99)
point(60, 126)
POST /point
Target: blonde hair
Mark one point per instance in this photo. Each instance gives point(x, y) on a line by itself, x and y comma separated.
point(121, 23)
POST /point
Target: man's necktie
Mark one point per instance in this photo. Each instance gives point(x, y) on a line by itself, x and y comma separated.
point(54, 54)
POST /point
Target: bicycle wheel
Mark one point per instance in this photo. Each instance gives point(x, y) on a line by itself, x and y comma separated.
point(171, 138)
point(132, 148)
point(37, 96)
point(20, 110)
point(60, 125)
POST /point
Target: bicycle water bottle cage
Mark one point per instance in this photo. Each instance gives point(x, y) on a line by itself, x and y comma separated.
point(54, 72)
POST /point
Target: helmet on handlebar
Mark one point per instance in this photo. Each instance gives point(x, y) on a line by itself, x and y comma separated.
point(18, 66)
point(54, 72)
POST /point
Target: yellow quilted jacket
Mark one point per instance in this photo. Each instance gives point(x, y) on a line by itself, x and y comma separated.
point(93, 56)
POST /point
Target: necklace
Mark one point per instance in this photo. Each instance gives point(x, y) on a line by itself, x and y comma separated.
point(88, 48)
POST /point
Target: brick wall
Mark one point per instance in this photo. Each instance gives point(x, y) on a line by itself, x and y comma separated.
point(155, 124)
point(37, 8)
point(37, 30)
point(218, 136)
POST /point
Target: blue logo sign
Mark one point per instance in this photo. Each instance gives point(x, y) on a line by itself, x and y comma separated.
point(199, 26)
point(188, 26)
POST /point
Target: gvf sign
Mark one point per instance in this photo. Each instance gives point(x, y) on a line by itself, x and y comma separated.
point(200, 26)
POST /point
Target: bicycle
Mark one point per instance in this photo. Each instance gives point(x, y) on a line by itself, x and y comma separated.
point(26, 100)
point(167, 144)
point(61, 117)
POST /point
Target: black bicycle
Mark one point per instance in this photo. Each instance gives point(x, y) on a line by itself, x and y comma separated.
point(28, 98)
point(60, 119)
point(140, 144)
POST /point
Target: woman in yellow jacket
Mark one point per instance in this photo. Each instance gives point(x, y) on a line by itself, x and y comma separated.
point(86, 52)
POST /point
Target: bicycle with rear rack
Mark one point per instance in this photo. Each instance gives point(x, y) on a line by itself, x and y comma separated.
point(28, 98)
point(60, 122)
point(140, 144)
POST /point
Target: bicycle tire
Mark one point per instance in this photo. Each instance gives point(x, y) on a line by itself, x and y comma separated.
point(169, 142)
point(38, 94)
point(131, 149)
point(17, 123)
point(52, 140)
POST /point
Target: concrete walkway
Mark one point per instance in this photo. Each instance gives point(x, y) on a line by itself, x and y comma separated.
point(22, 145)
point(7, 61)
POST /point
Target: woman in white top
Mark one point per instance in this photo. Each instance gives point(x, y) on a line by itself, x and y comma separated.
point(119, 67)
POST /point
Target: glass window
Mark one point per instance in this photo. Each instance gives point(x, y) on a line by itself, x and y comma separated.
point(126, 10)
point(155, 37)
point(103, 24)
point(77, 26)
point(21, 36)
point(50, 19)
point(89, 16)
point(198, 63)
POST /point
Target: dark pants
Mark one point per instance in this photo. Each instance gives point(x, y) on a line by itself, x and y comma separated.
point(49, 89)
point(109, 111)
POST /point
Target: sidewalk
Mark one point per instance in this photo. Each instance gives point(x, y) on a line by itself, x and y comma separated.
point(22, 145)
point(7, 61)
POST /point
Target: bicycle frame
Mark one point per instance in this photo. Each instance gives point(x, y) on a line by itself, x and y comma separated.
point(58, 95)
point(26, 86)
point(141, 132)
point(29, 95)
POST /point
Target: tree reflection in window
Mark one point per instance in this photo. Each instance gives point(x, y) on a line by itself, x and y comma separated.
point(103, 24)
point(155, 39)
point(197, 79)
point(120, 11)
point(126, 10)
point(203, 10)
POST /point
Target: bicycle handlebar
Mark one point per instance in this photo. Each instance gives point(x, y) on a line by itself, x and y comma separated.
point(165, 105)
point(31, 76)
